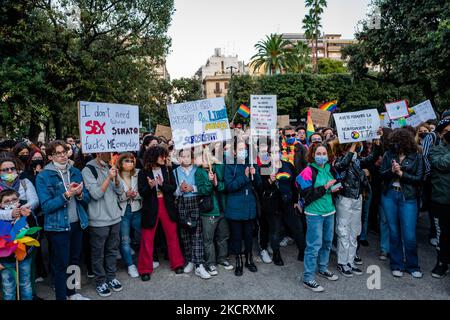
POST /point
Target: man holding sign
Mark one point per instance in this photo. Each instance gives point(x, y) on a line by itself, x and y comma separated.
point(104, 221)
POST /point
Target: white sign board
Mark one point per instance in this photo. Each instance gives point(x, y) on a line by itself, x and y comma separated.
point(108, 127)
point(198, 122)
point(357, 126)
point(397, 109)
point(425, 111)
point(384, 120)
point(413, 120)
point(263, 115)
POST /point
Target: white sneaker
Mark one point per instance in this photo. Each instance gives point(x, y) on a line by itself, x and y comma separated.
point(40, 279)
point(284, 242)
point(202, 273)
point(132, 271)
point(189, 267)
point(155, 264)
point(397, 273)
point(417, 274)
point(265, 257)
point(212, 270)
point(77, 296)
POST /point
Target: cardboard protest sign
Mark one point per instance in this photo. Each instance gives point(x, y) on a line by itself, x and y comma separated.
point(198, 122)
point(163, 131)
point(108, 127)
point(263, 116)
point(357, 126)
point(397, 109)
point(283, 121)
point(425, 111)
point(320, 118)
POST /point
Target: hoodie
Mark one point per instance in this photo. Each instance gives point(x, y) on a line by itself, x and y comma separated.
point(104, 207)
point(72, 205)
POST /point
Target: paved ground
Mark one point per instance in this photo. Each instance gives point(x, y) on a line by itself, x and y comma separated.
point(281, 283)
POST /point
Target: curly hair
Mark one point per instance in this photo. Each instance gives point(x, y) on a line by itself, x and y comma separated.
point(152, 154)
point(310, 157)
point(402, 141)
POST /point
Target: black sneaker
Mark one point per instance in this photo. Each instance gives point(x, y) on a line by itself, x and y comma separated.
point(345, 270)
point(329, 275)
point(364, 243)
point(179, 270)
point(115, 285)
point(355, 270)
point(313, 285)
point(145, 277)
point(439, 271)
point(358, 261)
point(103, 290)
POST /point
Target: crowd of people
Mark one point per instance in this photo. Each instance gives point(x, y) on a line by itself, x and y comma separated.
point(202, 209)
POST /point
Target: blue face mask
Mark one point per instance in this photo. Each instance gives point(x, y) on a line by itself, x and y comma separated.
point(321, 160)
point(242, 154)
point(290, 140)
point(227, 154)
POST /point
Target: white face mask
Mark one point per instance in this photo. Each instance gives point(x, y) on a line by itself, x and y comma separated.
point(60, 166)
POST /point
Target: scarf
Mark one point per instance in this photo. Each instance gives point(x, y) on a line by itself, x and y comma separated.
point(288, 151)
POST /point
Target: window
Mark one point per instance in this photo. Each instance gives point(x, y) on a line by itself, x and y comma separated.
point(226, 85)
point(217, 86)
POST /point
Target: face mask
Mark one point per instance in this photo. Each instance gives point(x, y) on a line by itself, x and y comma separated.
point(227, 154)
point(265, 157)
point(242, 154)
point(24, 159)
point(60, 166)
point(422, 135)
point(290, 140)
point(11, 206)
point(8, 177)
point(321, 160)
point(35, 163)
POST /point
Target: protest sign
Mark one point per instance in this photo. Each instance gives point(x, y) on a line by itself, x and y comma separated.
point(320, 118)
point(263, 116)
point(425, 111)
point(163, 131)
point(384, 120)
point(413, 120)
point(357, 126)
point(198, 122)
point(283, 121)
point(108, 127)
point(397, 109)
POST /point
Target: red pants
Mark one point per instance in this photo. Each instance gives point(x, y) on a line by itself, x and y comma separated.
point(145, 260)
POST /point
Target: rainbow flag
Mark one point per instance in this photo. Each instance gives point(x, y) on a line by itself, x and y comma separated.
point(244, 111)
point(282, 175)
point(309, 126)
point(329, 106)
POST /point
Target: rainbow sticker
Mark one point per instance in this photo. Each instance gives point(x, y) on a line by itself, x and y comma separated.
point(355, 135)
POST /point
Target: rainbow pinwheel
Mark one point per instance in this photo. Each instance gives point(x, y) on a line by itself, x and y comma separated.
point(14, 238)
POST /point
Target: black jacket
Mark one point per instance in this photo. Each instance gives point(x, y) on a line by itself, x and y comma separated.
point(150, 199)
point(300, 161)
point(412, 178)
point(354, 180)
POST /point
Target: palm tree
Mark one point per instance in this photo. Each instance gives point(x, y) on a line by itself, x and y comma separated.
point(312, 25)
point(271, 54)
point(298, 57)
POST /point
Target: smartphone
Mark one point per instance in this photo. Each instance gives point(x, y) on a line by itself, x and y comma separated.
point(336, 186)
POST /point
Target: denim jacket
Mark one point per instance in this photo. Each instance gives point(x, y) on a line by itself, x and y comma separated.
point(50, 190)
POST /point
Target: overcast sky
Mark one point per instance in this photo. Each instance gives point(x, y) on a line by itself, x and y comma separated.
point(199, 26)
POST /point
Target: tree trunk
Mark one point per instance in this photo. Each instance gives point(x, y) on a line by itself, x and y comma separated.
point(34, 131)
point(58, 126)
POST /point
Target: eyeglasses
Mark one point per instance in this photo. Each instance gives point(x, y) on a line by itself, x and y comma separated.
point(290, 135)
point(60, 154)
point(12, 169)
point(11, 202)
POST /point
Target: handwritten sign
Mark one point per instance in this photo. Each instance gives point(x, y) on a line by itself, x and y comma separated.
point(108, 127)
point(413, 120)
point(198, 122)
point(320, 118)
point(425, 111)
point(357, 126)
point(283, 121)
point(263, 116)
point(163, 131)
point(397, 109)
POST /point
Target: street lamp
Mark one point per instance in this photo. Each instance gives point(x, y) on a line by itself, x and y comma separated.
point(231, 77)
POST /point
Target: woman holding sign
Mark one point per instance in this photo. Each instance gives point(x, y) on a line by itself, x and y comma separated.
point(402, 172)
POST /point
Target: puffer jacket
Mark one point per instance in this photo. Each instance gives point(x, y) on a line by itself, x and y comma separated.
point(354, 180)
point(440, 173)
point(412, 178)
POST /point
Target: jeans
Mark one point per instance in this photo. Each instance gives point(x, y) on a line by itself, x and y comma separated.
point(365, 215)
point(65, 249)
point(384, 230)
point(215, 235)
point(105, 242)
point(9, 280)
point(401, 216)
point(241, 230)
point(319, 236)
point(348, 220)
point(129, 220)
point(441, 211)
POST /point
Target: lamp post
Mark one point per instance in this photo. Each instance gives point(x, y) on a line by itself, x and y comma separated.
point(231, 77)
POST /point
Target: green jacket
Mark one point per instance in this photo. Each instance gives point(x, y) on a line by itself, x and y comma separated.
point(440, 173)
point(206, 187)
